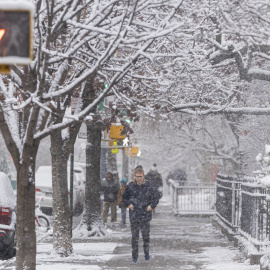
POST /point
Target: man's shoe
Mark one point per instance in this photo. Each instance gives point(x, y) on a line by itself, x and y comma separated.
point(133, 261)
point(147, 257)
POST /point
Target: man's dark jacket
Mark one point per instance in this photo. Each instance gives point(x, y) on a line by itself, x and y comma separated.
point(140, 197)
point(110, 189)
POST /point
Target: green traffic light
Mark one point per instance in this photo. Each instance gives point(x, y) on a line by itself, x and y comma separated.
point(106, 85)
point(128, 121)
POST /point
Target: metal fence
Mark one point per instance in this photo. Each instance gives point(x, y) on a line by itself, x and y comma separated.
point(244, 206)
point(193, 198)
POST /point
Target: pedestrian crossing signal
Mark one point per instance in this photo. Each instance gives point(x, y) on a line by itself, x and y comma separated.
point(16, 34)
point(2, 32)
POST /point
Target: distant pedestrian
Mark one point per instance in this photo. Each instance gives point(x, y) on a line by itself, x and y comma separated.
point(110, 187)
point(141, 198)
point(154, 177)
point(120, 202)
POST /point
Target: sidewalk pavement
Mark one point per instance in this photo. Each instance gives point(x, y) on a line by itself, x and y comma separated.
point(185, 243)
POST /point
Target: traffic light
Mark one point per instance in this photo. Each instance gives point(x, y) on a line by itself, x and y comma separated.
point(16, 33)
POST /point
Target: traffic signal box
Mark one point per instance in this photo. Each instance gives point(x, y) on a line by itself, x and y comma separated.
point(115, 132)
point(16, 23)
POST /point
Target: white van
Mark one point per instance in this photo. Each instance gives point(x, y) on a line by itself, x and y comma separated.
point(44, 189)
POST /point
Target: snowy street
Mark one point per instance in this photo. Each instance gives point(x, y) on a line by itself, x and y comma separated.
point(184, 243)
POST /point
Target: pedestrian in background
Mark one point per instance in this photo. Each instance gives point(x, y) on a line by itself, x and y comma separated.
point(110, 187)
point(154, 177)
point(141, 198)
point(120, 202)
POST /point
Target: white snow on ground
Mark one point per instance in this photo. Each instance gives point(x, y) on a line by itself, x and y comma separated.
point(68, 267)
point(81, 248)
point(95, 254)
point(221, 258)
point(83, 253)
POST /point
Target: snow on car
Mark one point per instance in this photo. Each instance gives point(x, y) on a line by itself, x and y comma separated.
point(43, 180)
point(7, 217)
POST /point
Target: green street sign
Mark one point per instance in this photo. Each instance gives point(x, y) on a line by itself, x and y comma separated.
point(101, 105)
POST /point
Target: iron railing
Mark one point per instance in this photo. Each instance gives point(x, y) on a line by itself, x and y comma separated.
point(244, 206)
point(192, 198)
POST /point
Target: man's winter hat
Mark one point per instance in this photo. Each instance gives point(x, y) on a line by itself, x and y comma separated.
point(124, 181)
point(154, 168)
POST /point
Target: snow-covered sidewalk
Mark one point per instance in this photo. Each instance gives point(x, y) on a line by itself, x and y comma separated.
point(176, 243)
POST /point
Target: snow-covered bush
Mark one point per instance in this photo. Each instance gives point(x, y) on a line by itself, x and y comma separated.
point(264, 172)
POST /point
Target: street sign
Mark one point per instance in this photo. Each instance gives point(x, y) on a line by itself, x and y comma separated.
point(74, 103)
point(16, 30)
point(134, 150)
point(104, 144)
point(115, 151)
point(82, 134)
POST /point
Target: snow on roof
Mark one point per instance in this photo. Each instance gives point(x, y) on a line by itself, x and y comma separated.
point(43, 177)
point(7, 197)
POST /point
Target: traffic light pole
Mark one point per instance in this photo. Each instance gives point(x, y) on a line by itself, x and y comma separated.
point(71, 187)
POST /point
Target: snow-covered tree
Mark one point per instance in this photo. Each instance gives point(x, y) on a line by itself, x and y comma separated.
point(78, 45)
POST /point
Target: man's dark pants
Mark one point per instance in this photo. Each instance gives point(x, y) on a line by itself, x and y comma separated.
point(136, 227)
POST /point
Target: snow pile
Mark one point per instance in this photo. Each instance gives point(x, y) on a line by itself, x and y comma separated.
point(265, 181)
point(227, 261)
point(264, 161)
point(7, 198)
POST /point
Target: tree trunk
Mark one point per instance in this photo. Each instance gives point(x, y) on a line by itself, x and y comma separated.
point(26, 233)
point(125, 164)
point(61, 212)
point(92, 211)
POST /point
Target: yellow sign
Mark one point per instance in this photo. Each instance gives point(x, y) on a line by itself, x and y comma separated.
point(134, 150)
point(4, 69)
point(115, 132)
point(115, 151)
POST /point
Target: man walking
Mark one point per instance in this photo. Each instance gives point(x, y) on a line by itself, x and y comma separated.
point(141, 198)
point(110, 189)
point(154, 177)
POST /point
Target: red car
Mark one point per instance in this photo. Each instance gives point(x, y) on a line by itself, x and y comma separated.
point(7, 218)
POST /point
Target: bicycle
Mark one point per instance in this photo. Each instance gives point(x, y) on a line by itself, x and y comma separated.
point(41, 220)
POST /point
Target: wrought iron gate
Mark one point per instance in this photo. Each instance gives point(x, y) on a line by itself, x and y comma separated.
point(193, 198)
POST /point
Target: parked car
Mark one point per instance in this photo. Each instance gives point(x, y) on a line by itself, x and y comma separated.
point(44, 189)
point(7, 218)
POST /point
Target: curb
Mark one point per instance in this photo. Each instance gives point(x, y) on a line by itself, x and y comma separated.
point(247, 248)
